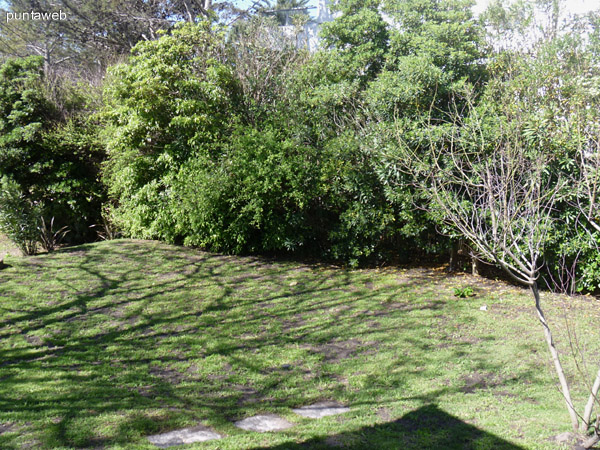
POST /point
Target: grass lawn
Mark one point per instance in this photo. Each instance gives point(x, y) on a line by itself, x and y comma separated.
point(104, 344)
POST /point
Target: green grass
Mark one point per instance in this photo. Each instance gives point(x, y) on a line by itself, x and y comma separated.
point(104, 344)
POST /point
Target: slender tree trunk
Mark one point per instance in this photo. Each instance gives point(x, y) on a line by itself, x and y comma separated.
point(589, 407)
point(453, 257)
point(190, 18)
point(474, 266)
point(46, 61)
point(557, 365)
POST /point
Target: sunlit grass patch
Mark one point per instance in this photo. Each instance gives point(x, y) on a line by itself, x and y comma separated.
point(104, 344)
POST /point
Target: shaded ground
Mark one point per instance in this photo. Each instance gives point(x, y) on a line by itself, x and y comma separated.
point(427, 427)
point(104, 344)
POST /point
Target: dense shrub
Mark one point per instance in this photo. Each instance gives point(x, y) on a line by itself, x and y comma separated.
point(269, 193)
point(19, 216)
point(204, 151)
point(171, 103)
point(53, 160)
point(70, 185)
point(25, 113)
point(255, 197)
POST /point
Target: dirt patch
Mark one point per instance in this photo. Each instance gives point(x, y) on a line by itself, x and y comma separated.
point(566, 438)
point(192, 370)
point(248, 395)
point(477, 380)
point(167, 375)
point(512, 310)
point(470, 340)
point(6, 427)
point(390, 307)
point(245, 277)
point(505, 394)
point(165, 276)
point(292, 324)
point(76, 253)
point(34, 340)
point(373, 324)
point(444, 345)
point(7, 247)
point(145, 391)
point(226, 372)
point(335, 352)
point(384, 414)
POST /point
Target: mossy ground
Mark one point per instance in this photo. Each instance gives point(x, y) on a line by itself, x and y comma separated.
point(104, 344)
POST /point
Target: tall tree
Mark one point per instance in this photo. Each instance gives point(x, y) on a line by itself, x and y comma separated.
point(286, 10)
point(26, 37)
point(93, 33)
point(487, 176)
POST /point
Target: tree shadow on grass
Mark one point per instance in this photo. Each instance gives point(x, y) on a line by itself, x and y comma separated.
point(428, 427)
point(126, 331)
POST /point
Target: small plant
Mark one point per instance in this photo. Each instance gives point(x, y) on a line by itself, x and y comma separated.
point(463, 292)
point(50, 239)
point(106, 230)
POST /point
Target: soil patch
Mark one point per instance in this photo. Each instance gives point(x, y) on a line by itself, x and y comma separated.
point(168, 375)
point(477, 380)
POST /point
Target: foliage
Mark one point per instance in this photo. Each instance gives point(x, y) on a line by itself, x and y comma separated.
point(18, 216)
point(359, 36)
point(396, 71)
point(71, 188)
point(436, 47)
point(463, 292)
point(106, 230)
point(25, 114)
point(50, 238)
point(262, 59)
point(170, 104)
point(254, 198)
point(92, 34)
point(278, 9)
point(207, 175)
point(54, 162)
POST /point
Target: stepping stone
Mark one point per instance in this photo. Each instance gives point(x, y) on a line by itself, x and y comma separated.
point(267, 422)
point(184, 436)
point(322, 409)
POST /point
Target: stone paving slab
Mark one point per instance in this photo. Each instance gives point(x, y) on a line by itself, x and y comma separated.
point(264, 423)
point(184, 436)
point(321, 409)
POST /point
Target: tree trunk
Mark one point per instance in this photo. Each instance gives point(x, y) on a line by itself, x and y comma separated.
point(589, 407)
point(453, 257)
point(474, 266)
point(557, 365)
point(190, 16)
point(591, 441)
